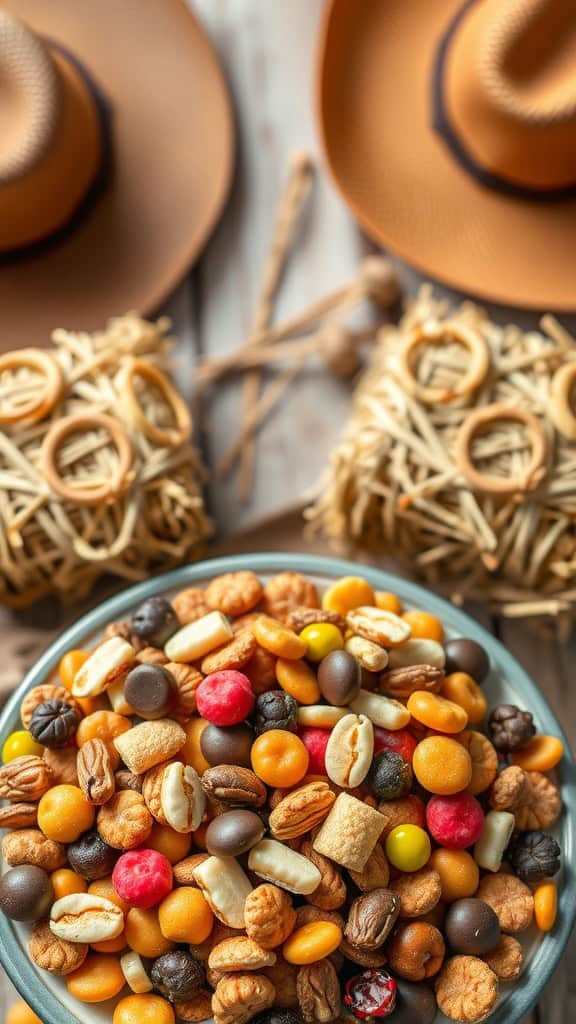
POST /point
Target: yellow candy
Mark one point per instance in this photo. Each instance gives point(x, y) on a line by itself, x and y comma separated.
point(322, 638)
point(312, 942)
point(408, 847)
point(19, 744)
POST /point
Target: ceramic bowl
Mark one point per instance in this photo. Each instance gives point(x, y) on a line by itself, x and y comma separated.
point(507, 682)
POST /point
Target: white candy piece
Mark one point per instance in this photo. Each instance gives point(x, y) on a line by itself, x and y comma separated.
point(349, 751)
point(320, 716)
point(382, 711)
point(371, 656)
point(104, 666)
point(225, 887)
point(277, 863)
point(82, 917)
point(199, 638)
point(115, 694)
point(182, 798)
point(135, 973)
point(496, 834)
point(417, 652)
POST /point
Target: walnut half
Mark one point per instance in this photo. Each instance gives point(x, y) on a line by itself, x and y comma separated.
point(239, 997)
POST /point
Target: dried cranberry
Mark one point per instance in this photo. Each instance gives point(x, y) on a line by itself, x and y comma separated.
point(509, 727)
point(371, 995)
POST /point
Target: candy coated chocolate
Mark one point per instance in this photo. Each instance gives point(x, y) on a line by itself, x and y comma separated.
point(471, 927)
point(26, 893)
point(415, 1004)
point(233, 833)
point(464, 655)
point(339, 678)
point(151, 690)
point(227, 744)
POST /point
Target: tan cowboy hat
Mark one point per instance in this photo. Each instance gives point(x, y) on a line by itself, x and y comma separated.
point(116, 151)
point(450, 129)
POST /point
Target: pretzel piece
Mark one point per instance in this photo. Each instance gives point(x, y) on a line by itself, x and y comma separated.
point(434, 333)
point(169, 437)
point(560, 403)
point(48, 394)
point(80, 492)
point(476, 422)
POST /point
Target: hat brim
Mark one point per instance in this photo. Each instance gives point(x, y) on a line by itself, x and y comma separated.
point(173, 153)
point(374, 99)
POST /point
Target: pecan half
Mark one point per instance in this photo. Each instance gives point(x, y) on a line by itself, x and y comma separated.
point(301, 810)
point(24, 778)
point(235, 786)
point(372, 918)
point(299, 618)
point(18, 816)
point(401, 682)
point(318, 991)
point(95, 775)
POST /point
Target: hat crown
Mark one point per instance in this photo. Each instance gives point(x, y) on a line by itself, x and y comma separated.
point(29, 98)
point(510, 90)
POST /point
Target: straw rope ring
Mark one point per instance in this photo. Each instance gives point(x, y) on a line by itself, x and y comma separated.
point(476, 422)
point(433, 333)
point(81, 492)
point(560, 404)
point(167, 437)
point(46, 394)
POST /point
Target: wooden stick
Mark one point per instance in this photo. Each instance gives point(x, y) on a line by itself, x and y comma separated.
point(291, 203)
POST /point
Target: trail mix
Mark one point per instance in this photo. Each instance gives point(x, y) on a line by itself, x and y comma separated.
point(256, 803)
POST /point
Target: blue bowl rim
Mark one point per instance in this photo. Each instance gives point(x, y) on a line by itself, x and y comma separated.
point(521, 1000)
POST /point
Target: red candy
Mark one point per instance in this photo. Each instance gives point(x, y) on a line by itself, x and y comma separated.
point(315, 741)
point(142, 878)
point(225, 698)
point(454, 821)
point(400, 742)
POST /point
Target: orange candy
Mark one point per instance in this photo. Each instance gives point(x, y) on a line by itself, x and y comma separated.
point(424, 626)
point(462, 689)
point(191, 752)
point(143, 933)
point(279, 758)
point(459, 873)
point(103, 725)
point(21, 1013)
point(64, 813)
point(546, 905)
point(110, 945)
point(143, 1009)
point(184, 916)
point(540, 754)
point(299, 680)
point(348, 593)
point(388, 602)
point(174, 845)
point(442, 765)
point(65, 882)
point(99, 978)
point(70, 664)
point(273, 636)
point(436, 712)
point(312, 942)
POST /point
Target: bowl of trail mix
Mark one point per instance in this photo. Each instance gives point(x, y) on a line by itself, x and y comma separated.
point(288, 790)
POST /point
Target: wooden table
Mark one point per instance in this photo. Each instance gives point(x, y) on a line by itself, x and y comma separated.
point(267, 49)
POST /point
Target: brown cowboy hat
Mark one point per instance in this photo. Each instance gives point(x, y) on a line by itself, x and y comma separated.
point(450, 129)
point(116, 153)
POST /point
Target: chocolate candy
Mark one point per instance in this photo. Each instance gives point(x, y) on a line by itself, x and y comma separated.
point(471, 927)
point(227, 745)
point(464, 655)
point(233, 833)
point(53, 723)
point(26, 893)
point(151, 690)
point(177, 976)
point(339, 677)
point(415, 1004)
point(92, 858)
point(155, 621)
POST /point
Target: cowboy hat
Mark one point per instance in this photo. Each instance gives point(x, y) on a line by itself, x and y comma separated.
point(116, 153)
point(450, 129)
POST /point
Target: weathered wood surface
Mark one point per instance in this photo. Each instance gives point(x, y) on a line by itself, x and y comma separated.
point(268, 52)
